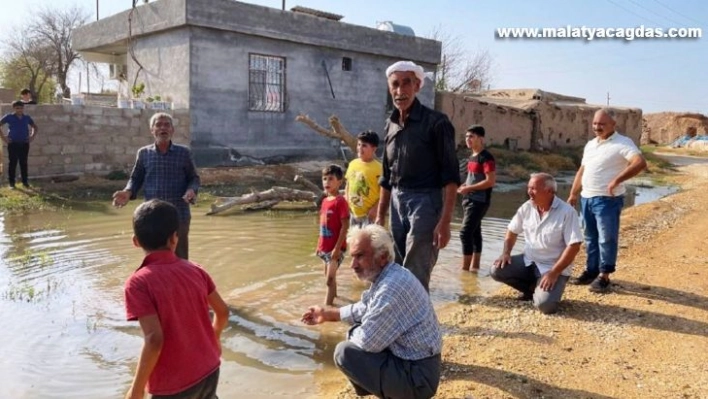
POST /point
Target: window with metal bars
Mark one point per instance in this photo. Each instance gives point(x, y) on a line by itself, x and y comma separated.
point(266, 83)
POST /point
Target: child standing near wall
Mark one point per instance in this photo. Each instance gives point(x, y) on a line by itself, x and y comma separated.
point(362, 189)
point(334, 224)
point(171, 297)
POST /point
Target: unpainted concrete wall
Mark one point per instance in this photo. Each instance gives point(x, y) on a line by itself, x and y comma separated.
point(165, 60)
point(90, 140)
point(7, 96)
point(224, 127)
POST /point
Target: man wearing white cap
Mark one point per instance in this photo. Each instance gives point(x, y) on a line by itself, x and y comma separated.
point(420, 173)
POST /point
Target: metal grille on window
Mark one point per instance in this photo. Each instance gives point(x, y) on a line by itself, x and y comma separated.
point(266, 85)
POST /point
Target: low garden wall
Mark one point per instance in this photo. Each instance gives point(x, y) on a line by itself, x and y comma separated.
point(75, 139)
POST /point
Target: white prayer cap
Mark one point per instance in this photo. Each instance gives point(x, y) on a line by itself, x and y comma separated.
point(407, 66)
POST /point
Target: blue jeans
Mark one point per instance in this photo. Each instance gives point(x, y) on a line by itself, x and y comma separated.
point(601, 219)
point(414, 215)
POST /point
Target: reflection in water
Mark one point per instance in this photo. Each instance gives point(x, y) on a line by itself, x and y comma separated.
point(62, 275)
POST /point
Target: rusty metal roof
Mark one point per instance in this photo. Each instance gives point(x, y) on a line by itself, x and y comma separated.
point(317, 13)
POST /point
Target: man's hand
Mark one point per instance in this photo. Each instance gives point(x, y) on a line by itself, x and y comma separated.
point(313, 316)
point(121, 198)
point(135, 393)
point(441, 235)
point(464, 189)
point(502, 261)
point(548, 281)
point(373, 212)
point(336, 254)
point(611, 187)
point(573, 199)
point(189, 196)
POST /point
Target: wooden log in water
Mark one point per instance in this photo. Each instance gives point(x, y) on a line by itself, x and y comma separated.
point(276, 194)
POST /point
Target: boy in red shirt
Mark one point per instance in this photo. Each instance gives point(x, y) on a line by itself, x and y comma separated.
point(334, 223)
point(171, 297)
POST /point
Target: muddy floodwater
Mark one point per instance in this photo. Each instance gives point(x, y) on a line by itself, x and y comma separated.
point(64, 332)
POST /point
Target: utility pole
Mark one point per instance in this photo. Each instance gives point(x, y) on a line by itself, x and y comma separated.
point(283, 5)
point(96, 10)
point(608, 98)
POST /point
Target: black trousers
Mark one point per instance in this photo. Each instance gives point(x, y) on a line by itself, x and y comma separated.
point(17, 152)
point(471, 231)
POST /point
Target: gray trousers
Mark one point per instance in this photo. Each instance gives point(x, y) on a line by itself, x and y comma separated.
point(414, 215)
point(526, 279)
point(386, 376)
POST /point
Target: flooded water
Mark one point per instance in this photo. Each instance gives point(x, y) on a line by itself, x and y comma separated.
point(64, 332)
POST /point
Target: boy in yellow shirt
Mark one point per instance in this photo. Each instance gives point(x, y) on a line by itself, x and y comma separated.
point(363, 173)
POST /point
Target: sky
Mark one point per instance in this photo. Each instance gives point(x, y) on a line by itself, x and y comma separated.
point(652, 74)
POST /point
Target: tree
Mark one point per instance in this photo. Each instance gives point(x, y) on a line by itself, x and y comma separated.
point(476, 72)
point(54, 28)
point(29, 63)
point(16, 75)
point(459, 70)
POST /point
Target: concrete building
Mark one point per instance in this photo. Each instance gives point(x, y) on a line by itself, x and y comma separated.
point(245, 72)
point(531, 118)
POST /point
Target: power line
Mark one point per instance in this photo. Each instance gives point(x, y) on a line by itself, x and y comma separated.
point(678, 13)
point(632, 12)
point(655, 13)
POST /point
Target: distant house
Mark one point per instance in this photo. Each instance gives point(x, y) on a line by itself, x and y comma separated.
point(531, 118)
point(245, 72)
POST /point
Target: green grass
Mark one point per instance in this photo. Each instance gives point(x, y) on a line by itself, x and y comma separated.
point(22, 200)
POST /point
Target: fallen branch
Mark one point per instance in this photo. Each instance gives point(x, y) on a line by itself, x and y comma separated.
point(271, 197)
point(312, 186)
point(307, 183)
point(337, 132)
point(339, 129)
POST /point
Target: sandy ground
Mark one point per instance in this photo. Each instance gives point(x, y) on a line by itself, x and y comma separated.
point(646, 339)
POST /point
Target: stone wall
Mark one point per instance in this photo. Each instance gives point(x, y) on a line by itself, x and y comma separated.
point(570, 125)
point(550, 125)
point(500, 123)
point(90, 140)
point(665, 127)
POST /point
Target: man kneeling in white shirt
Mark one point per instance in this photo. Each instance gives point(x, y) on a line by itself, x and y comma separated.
point(552, 236)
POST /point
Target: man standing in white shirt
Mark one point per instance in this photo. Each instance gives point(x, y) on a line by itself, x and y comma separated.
point(608, 161)
point(552, 237)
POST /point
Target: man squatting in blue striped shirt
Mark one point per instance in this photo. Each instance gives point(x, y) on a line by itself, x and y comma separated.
point(393, 348)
